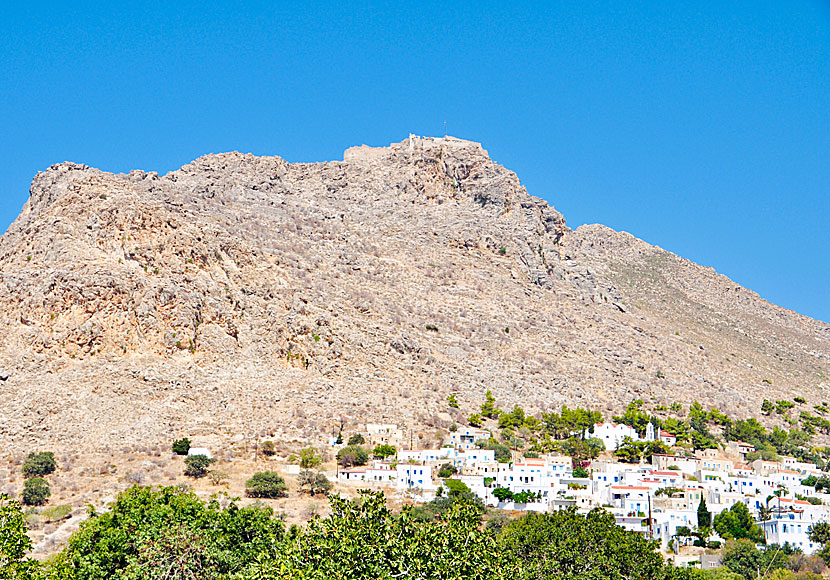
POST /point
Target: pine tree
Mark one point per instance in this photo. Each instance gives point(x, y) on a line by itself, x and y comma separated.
point(704, 516)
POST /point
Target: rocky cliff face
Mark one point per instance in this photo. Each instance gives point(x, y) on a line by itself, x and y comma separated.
point(242, 295)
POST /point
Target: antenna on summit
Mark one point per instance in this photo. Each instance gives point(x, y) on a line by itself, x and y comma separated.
point(445, 128)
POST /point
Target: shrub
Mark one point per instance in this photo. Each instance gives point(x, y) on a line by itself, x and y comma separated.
point(313, 482)
point(39, 464)
point(56, 513)
point(267, 448)
point(266, 484)
point(36, 491)
point(218, 477)
point(384, 451)
point(447, 470)
point(453, 402)
point(181, 446)
point(356, 439)
point(197, 465)
point(310, 458)
point(352, 455)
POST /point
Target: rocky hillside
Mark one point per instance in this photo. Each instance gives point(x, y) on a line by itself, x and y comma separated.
point(244, 295)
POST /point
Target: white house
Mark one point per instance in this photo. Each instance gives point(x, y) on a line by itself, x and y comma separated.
point(612, 434)
point(465, 437)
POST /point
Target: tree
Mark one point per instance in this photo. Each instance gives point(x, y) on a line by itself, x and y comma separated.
point(39, 464)
point(503, 494)
point(352, 455)
point(447, 470)
point(309, 458)
point(565, 545)
point(489, 409)
point(742, 557)
point(767, 407)
point(580, 472)
point(737, 523)
point(266, 484)
point(197, 465)
point(819, 533)
point(635, 417)
point(356, 439)
point(631, 451)
point(181, 446)
point(365, 539)
point(453, 402)
point(170, 533)
point(704, 516)
point(502, 452)
point(475, 420)
point(14, 542)
point(36, 491)
point(313, 482)
point(267, 448)
point(384, 451)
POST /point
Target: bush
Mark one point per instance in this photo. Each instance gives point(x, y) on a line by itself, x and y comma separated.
point(447, 470)
point(502, 455)
point(181, 446)
point(267, 448)
point(384, 451)
point(310, 458)
point(266, 484)
point(356, 439)
point(39, 464)
point(36, 491)
point(218, 477)
point(197, 465)
point(313, 482)
point(352, 455)
point(56, 513)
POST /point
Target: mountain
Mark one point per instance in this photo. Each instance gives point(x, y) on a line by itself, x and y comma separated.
point(242, 296)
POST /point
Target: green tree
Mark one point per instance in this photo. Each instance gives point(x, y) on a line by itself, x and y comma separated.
point(565, 545)
point(352, 455)
point(819, 533)
point(738, 523)
point(36, 491)
point(14, 541)
point(267, 448)
point(384, 451)
point(364, 539)
point(266, 484)
point(489, 409)
point(453, 402)
point(767, 407)
point(356, 439)
point(197, 465)
point(309, 458)
point(502, 452)
point(635, 417)
point(313, 482)
point(181, 446)
point(169, 533)
point(704, 516)
point(39, 464)
point(475, 420)
point(447, 470)
point(503, 494)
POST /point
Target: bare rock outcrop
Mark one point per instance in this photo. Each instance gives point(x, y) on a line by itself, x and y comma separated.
point(244, 294)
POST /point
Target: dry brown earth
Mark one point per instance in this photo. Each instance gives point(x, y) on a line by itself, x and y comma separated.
point(244, 296)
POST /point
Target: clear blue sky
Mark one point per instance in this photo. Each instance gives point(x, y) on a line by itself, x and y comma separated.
point(700, 127)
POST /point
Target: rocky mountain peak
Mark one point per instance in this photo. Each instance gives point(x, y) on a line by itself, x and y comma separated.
point(239, 292)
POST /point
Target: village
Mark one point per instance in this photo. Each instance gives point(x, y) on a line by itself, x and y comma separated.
point(659, 499)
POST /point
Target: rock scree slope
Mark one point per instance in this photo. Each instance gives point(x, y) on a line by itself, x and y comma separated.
point(242, 296)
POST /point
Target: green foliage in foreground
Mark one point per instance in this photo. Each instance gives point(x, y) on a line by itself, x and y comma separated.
point(169, 533)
